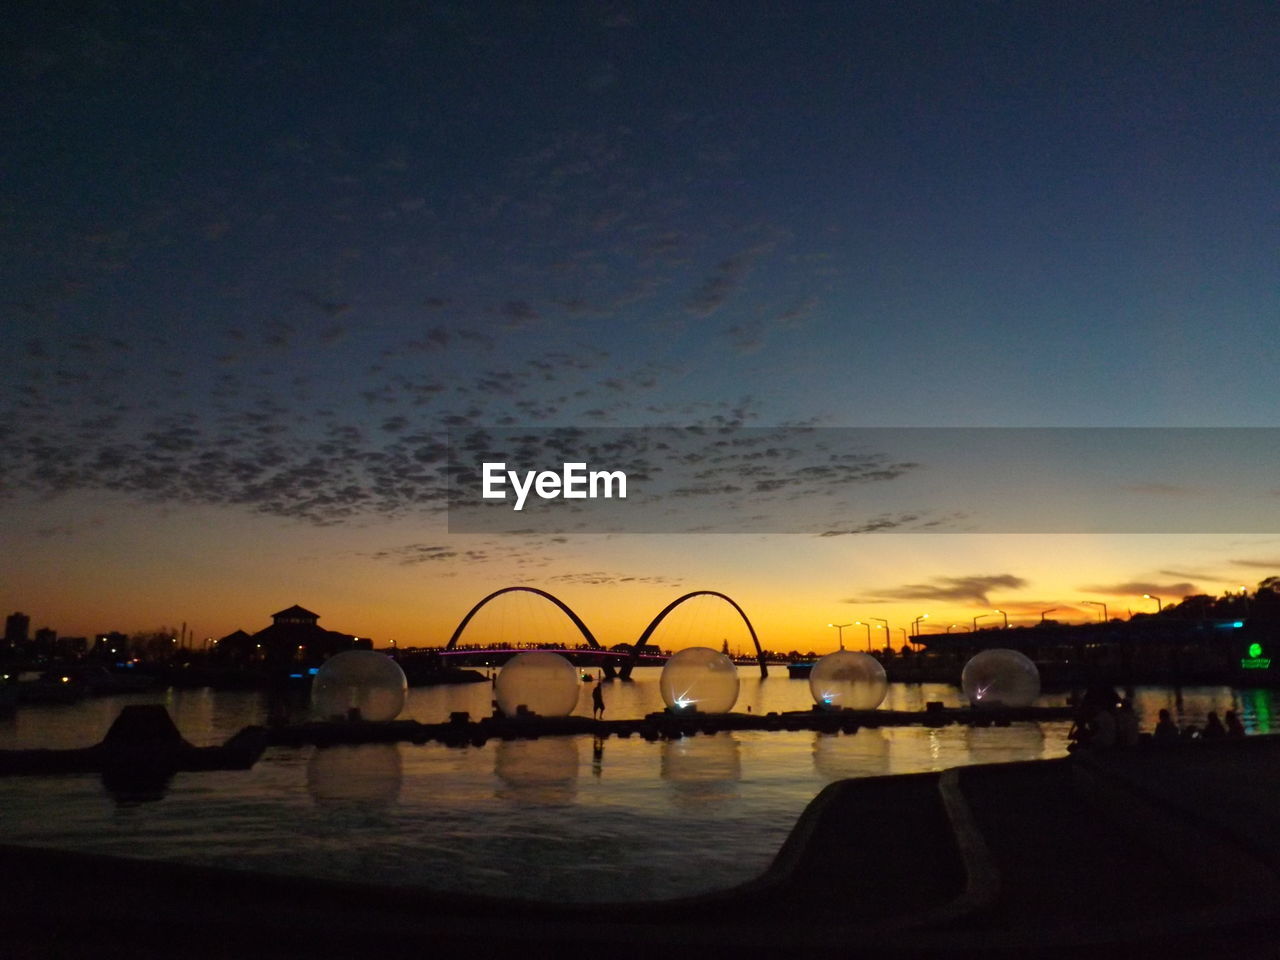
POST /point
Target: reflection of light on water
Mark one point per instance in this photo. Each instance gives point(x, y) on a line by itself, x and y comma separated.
point(862, 754)
point(703, 769)
point(369, 774)
point(539, 772)
point(1017, 741)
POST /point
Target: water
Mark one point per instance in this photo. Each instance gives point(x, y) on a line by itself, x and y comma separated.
point(562, 818)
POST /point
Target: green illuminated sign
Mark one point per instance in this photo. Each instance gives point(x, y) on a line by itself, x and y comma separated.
point(1255, 650)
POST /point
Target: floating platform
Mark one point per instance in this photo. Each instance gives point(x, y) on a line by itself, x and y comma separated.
point(143, 741)
point(462, 730)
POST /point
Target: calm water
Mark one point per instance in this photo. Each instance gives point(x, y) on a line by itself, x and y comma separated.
point(567, 818)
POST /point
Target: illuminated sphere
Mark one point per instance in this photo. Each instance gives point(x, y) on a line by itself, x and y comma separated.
point(701, 679)
point(1000, 678)
point(545, 683)
point(363, 680)
point(848, 680)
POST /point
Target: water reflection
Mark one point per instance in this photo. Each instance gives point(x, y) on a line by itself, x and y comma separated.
point(702, 770)
point(369, 775)
point(130, 785)
point(864, 754)
point(541, 772)
point(1017, 741)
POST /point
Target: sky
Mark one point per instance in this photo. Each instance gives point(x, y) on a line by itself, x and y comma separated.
point(264, 265)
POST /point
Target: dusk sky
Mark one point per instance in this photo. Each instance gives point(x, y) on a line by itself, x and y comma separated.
point(256, 260)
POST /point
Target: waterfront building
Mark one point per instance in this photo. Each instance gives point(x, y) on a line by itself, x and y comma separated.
point(294, 637)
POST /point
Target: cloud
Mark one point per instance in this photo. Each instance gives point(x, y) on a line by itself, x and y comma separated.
point(1132, 588)
point(951, 589)
point(1273, 565)
point(710, 295)
point(1157, 489)
point(1191, 575)
point(600, 578)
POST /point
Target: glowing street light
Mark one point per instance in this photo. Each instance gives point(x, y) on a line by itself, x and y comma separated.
point(888, 634)
point(1098, 603)
point(1159, 605)
point(1006, 617)
point(915, 624)
point(840, 631)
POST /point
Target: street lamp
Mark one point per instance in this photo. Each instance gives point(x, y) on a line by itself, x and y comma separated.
point(915, 624)
point(980, 616)
point(840, 631)
point(1159, 605)
point(1044, 612)
point(868, 628)
point(906, 642)
point(888, 634)
point(1098, 603)
point(1006, 617)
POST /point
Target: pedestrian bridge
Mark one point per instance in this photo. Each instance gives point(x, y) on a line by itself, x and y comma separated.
point(611, 661)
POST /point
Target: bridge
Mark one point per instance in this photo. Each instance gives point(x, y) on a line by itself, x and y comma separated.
point(613, 662)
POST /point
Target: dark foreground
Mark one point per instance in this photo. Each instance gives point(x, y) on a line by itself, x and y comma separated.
point(1150, 852)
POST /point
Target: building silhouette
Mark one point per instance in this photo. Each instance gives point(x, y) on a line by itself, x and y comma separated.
point(295, 638)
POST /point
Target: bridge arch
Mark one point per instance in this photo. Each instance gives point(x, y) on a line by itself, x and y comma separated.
point(577, 620)
point(662, 615)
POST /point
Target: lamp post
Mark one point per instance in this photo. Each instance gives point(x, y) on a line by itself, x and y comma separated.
point(905, 639)
point(980, 616)
point(1159, 605)
point(1044, 612)
point(888, 634)
point(868, 629)
point(915, 624)
point(1098, 603)
point(840, 631)
point(1006, 617)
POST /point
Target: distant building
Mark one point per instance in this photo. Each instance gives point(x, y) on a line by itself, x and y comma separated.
point(70, 647)
point(46, 642)
point(294, 638)
point(17, 628)
point(113, 644)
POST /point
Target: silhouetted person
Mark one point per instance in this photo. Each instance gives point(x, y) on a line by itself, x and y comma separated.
point(1234, 727)
point(1127, 732)
point(597, 701)
point(1213, 728)
point(1166, 730)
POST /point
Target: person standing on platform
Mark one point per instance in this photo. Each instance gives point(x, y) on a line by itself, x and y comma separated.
point(597, 700)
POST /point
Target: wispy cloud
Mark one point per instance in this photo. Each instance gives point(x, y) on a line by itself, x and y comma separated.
point(1131, 588)
point(976, 589)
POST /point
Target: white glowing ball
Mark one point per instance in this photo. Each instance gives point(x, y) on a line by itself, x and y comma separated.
point(361, 680)
point(846, 680)
point(543, 682)
point(1000, 678)
point(701, 679)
